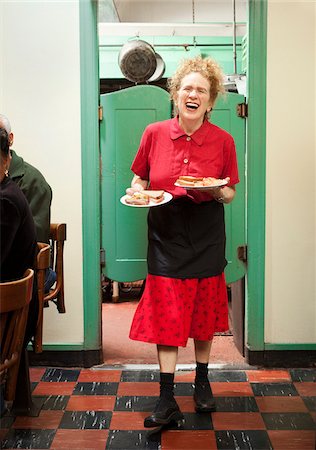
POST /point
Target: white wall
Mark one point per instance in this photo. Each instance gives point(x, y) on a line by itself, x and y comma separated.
point(40, 94)
point(290, 297)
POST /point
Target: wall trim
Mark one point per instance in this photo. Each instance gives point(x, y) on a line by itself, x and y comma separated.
point(66, 358)
point(89, 57)
point(281, 358)
point(256, 174)
point(297, 346)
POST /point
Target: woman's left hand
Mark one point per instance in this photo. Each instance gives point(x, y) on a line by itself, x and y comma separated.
point(224, 194)
point(215, 191)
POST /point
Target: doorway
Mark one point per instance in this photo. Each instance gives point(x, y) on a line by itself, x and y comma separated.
point(124, 230)
point(256, 73)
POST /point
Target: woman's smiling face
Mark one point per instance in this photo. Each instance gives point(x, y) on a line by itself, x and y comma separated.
point(193, 97)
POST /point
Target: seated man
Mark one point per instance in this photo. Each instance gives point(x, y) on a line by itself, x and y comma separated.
point(37, 192)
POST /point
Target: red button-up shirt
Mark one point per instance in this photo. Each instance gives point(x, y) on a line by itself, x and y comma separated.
point(166, 152)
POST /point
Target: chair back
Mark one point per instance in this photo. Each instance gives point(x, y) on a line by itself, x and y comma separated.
point(15, 297)
point(41, 264)
point(57, 237)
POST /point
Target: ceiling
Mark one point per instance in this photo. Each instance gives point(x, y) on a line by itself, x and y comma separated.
point(172, 11)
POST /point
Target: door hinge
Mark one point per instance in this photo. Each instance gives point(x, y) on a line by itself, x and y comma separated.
point(242, 253)
point(242, 110)
point(102, 257)
point(100, 112)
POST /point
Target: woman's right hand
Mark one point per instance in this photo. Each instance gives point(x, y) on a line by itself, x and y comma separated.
point(136, 187)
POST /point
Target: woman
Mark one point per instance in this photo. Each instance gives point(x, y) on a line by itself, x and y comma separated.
point(185, 293)
point(17, 230)
point(17, 238)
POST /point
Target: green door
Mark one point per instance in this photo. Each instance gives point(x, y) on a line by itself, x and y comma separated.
point(225, 116)
point(126, 113)
point(124, 230)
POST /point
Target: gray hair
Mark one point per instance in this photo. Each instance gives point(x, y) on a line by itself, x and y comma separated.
point(5, 123)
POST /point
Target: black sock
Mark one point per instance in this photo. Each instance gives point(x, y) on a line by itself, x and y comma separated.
point(166, 384)
point(201, 371)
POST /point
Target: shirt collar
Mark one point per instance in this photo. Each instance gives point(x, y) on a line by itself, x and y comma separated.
point(16, 168)
point(198, 136)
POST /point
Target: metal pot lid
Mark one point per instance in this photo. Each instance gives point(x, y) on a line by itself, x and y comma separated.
point(137, 60)
point(160, 69)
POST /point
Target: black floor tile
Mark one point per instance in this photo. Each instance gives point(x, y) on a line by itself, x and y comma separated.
point(288, 421)
point(194, 421)
point(310, 403)
point(183, 389)
point(135, 403)
point(236, 404)
point(98, 388)
point(142, 375)
point(17, 438)
point(227, 375)
point(55, 402)
point(83, 420)
point(243, 440)
point(60, 375)
point(127, 440)
point(303, 374)
point(274, 389)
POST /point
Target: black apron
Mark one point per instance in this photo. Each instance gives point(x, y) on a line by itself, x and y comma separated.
point(186, 239)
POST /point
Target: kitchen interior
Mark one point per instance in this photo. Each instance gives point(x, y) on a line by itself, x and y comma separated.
point(175, 30)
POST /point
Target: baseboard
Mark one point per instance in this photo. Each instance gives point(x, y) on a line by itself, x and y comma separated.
point(281, 358)
point(66, 358)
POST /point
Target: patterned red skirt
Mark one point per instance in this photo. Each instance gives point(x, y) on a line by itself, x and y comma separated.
point(171, 310)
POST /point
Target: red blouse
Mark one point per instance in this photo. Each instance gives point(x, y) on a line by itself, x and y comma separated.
point(166, 152)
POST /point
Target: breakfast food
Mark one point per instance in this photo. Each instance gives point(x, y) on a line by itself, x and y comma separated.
point(138, 198)
point(155, 196)
point(188, 181)
point(145, 197)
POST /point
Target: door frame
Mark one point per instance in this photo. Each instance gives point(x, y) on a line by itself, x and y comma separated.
point(90, 163)
point(255, 186)
point(256, 174)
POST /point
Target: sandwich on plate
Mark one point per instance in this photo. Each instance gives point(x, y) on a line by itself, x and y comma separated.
point(145, 197)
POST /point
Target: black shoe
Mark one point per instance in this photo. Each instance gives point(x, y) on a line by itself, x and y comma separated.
point(165, 412)
point(203, 397)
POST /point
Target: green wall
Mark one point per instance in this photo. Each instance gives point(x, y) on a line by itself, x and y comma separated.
point(219, 48)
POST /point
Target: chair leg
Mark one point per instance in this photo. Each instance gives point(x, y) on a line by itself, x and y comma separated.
point(60, 300)
point(24, 404)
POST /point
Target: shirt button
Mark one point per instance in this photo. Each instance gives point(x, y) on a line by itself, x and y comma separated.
point(188, 138)
point(185, 161)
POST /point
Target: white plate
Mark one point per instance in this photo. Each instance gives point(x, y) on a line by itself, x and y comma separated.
point(167, 198)
point(219, 184)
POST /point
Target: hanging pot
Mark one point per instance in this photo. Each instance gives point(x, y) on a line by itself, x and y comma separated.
point(137, 60)
point(160, 69)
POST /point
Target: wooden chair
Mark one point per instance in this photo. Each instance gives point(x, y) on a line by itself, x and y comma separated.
point(41, 264)
point(15, 297)
point(57, 237)
point(50, 256)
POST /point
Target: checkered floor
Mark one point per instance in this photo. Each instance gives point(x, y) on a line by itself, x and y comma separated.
point(105, 409)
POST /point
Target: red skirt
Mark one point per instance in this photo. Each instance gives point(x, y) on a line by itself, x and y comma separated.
point(171, 310)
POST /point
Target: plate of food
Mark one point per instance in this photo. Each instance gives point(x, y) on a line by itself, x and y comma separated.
point(146, 198)
point(188, 182)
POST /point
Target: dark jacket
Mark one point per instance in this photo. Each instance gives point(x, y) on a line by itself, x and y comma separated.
point(17, 232)
point(18, 244)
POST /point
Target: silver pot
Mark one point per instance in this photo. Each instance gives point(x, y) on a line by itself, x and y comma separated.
point(137, 60)
point(160, 69)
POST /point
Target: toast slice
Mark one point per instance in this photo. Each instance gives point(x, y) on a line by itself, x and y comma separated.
point(138, 198)
point(155, 196)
